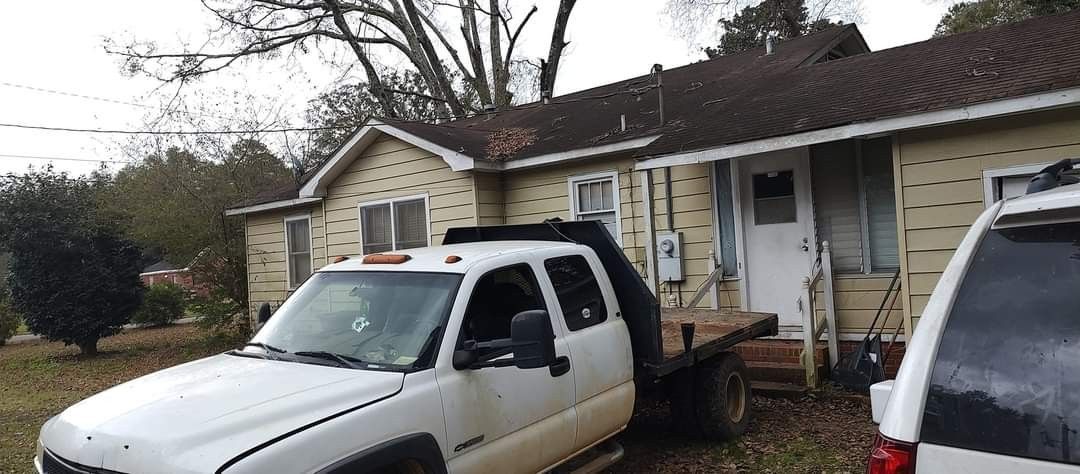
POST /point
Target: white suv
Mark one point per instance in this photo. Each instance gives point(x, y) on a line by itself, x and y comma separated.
point(991, 380)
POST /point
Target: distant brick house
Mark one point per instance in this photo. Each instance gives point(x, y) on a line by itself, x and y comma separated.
point(166, 272)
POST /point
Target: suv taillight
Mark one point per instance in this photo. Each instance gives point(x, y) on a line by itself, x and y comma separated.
point(890, 456)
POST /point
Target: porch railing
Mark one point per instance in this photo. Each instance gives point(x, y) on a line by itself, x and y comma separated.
point(813, 325)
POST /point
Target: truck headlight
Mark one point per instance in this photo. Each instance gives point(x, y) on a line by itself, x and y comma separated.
point(39, 455)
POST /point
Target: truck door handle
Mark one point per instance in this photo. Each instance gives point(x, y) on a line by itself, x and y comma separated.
point(560, 366)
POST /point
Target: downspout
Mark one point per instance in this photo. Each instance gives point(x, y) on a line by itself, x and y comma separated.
point(325, 244)
point(667, 200)
point(650, 235)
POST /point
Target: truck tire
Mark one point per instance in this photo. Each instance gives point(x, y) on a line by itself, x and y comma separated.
point(715, 404)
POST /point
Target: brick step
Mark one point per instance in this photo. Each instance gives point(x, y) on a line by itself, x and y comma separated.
point(778, 390)
point(778, 351)
point(785, 372)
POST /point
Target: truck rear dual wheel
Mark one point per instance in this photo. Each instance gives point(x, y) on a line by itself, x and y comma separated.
point(715, 402)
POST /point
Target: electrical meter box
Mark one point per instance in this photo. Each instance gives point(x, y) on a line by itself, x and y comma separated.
point(669, 262)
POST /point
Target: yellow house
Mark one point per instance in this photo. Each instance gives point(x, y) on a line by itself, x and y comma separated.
point(747, 163)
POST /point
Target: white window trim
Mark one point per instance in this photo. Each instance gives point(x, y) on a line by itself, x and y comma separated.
point(393, 231)
point(572, 185)
point(991, 174)
point(311, 246)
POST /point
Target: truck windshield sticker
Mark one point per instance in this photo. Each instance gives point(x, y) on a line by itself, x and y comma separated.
point(360, 323)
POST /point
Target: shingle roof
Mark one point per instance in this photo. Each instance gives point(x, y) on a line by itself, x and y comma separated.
point(592, 117)
point(750, 96)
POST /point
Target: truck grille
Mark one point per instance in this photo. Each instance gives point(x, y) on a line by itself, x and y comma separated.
point(53, 464)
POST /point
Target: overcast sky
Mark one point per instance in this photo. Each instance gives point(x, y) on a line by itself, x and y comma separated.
point(57, 46)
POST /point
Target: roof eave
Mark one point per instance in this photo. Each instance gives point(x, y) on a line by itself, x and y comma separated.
point(983, 110)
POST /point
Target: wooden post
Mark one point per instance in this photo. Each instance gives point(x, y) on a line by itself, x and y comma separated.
point(808, 330)
point(830, 306)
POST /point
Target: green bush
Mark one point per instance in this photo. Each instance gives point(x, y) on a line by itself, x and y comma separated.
point(162, 304)
point(9, 321)
point(221, 316)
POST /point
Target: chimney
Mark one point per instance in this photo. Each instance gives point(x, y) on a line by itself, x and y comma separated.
point(489, 110)
point(658, 71)
point(769, 44)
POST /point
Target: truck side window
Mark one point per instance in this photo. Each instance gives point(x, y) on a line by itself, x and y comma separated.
point(579, 294)
point(497, 298)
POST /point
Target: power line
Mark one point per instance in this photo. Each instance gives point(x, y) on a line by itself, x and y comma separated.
point(104, 99)
point(178, 132)
point(57, 158)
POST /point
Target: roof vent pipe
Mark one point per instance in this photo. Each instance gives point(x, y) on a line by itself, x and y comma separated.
point(769, 46)
point(658, 71)
point(622, 122)
point(489, 110)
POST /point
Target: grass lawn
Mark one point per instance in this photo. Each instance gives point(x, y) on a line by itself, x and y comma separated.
point(39, 379)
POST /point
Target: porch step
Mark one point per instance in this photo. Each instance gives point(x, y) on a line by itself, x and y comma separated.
point(778, 350)
point(778, 390)
point(783, 372)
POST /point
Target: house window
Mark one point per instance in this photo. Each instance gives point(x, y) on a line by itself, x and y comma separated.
point(1004, 183)
point(394, 224)
point(596, 198)
point(298, 261)
point(774, 197)
point(855, 204)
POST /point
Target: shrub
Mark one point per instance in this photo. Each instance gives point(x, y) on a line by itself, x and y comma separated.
point(9, 321)
point(162, 304)
point(221, 316)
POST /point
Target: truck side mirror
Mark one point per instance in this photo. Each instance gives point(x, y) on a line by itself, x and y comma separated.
point(533, 340)
point(264, 313)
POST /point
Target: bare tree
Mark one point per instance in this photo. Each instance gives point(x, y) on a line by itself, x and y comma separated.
point(691, 18)
point(369, 30)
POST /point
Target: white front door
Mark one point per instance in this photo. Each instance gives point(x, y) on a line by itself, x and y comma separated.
point(777, 216)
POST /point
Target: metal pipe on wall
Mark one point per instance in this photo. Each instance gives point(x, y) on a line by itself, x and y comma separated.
point(667, 199)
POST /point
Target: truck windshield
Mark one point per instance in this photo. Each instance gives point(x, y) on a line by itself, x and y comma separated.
point(1007, 374)
point(375, 319)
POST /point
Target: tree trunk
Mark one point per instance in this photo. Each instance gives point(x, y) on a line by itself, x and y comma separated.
point(499, 79)
point(88, 348)
point(547, 83)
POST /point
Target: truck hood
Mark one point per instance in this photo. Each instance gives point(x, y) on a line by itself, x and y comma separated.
point(197, 416)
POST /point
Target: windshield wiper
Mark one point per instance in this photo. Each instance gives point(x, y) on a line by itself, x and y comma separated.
point(342, 360)
point(270, 350)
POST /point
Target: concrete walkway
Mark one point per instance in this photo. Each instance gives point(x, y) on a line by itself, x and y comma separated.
point(33, 337)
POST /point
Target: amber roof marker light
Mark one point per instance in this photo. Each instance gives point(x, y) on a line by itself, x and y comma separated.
point(453, 259)
point(340, 259)
point(386, 259)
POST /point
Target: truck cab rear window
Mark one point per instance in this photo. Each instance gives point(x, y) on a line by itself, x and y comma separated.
point(579, 294)
point(1007, 375)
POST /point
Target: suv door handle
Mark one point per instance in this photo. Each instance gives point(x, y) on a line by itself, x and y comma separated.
point(560, 366)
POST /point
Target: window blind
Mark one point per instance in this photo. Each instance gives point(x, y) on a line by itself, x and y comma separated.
point(836, 203)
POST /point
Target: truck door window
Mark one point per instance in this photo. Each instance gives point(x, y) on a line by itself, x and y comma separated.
point(497, 298)
point(579, 294)
point(1007, 374)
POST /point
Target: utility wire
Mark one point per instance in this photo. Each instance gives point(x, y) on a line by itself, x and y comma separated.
point(178, 132)
point(103, 99)
point(57, 158)
point(635, 91)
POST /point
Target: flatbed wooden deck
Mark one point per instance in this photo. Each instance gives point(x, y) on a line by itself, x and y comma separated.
point(715, 331)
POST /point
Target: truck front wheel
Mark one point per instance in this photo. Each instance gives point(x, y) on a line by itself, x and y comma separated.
point(718, 406)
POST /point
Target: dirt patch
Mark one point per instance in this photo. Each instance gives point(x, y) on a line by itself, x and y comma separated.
point(812, 435)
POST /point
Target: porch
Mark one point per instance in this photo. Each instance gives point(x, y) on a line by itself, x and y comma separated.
point(810, 234)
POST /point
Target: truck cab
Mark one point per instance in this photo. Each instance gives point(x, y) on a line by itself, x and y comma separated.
point(475, 357)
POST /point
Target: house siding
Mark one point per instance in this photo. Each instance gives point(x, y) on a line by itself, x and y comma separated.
point(388, 168)
point(267, 282)
point(942, 182)
point(537, 194)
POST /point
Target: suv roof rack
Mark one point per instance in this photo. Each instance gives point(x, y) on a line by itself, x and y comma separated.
point(1055, 175)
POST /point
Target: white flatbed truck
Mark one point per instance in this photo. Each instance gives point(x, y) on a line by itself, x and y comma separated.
point(517, 348)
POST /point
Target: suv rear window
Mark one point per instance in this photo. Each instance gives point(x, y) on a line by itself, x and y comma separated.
point(1007, 375)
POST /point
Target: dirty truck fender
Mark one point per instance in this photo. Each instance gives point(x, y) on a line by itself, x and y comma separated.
point(418, 447)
